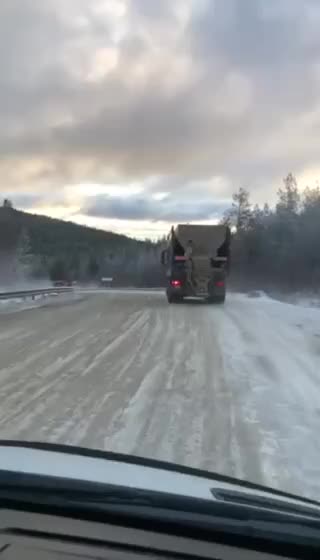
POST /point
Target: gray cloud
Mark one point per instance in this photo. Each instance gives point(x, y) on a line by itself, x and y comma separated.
point(26, 200)
point(225, 90)
point(23, 200)
point(252, 33)
point(171, 208)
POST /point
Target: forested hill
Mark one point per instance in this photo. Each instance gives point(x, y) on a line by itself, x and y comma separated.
point(39, 247)
point(51, 237)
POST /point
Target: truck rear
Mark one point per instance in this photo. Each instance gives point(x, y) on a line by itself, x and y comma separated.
point(197, 261)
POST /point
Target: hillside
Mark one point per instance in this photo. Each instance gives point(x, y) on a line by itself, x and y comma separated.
point(49, 236)
point(33, 246)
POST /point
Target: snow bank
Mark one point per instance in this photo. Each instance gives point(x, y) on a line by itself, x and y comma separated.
point(14, 305)
point(271, 354)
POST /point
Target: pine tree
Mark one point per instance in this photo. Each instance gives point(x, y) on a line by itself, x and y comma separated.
point(24, 256)
point(7, 203)
point(289, 196)
point(239, 215)
point(93, 268)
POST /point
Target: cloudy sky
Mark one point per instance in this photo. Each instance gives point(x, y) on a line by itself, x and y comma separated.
point(134, 114)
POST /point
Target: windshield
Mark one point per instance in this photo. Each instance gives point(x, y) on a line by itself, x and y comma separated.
point(159, 232)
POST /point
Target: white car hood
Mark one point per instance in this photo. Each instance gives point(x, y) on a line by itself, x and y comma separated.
point(107, 471)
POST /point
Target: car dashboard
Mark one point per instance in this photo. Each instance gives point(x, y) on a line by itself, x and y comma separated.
point(33, 536)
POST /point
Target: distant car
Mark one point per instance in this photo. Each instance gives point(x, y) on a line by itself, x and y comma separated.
point(62, 283)
point(106, 282)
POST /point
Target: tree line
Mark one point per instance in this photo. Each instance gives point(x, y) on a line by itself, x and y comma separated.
point(272, 248)
point(276, 248)
point(36, 247)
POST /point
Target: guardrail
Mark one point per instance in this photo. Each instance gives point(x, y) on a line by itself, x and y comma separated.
point(33, 293)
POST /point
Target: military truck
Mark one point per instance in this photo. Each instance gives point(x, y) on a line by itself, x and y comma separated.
point(197, 260)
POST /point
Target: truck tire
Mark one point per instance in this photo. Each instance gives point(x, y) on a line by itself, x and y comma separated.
point(217, 299)
point(174, 299)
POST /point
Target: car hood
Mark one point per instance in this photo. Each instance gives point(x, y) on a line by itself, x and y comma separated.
point(127, 472)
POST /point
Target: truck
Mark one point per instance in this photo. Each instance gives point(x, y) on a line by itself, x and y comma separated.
point(197, 260)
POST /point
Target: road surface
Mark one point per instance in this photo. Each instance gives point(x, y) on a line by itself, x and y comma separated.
point(234, 389)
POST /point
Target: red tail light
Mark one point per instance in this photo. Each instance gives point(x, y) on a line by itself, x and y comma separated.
point(219, 283)
point(175, 283)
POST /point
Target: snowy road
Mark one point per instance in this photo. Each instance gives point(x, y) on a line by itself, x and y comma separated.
point(233, 389)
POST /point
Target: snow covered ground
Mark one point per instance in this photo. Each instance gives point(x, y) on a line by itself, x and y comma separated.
point(231, 388)
point(301, 298)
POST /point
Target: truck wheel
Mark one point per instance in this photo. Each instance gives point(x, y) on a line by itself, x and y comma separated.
point(174, 299)
point(217, 299)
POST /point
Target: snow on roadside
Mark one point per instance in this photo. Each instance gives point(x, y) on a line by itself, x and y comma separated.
point(272, 360)
point(15, 305)
point(303, 299)
point(19, 304)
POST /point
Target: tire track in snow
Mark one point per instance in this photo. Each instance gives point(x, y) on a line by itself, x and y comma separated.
point(99, 380)
point(62, 389)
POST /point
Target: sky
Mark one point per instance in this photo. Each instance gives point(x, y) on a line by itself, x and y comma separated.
point(131, 115)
